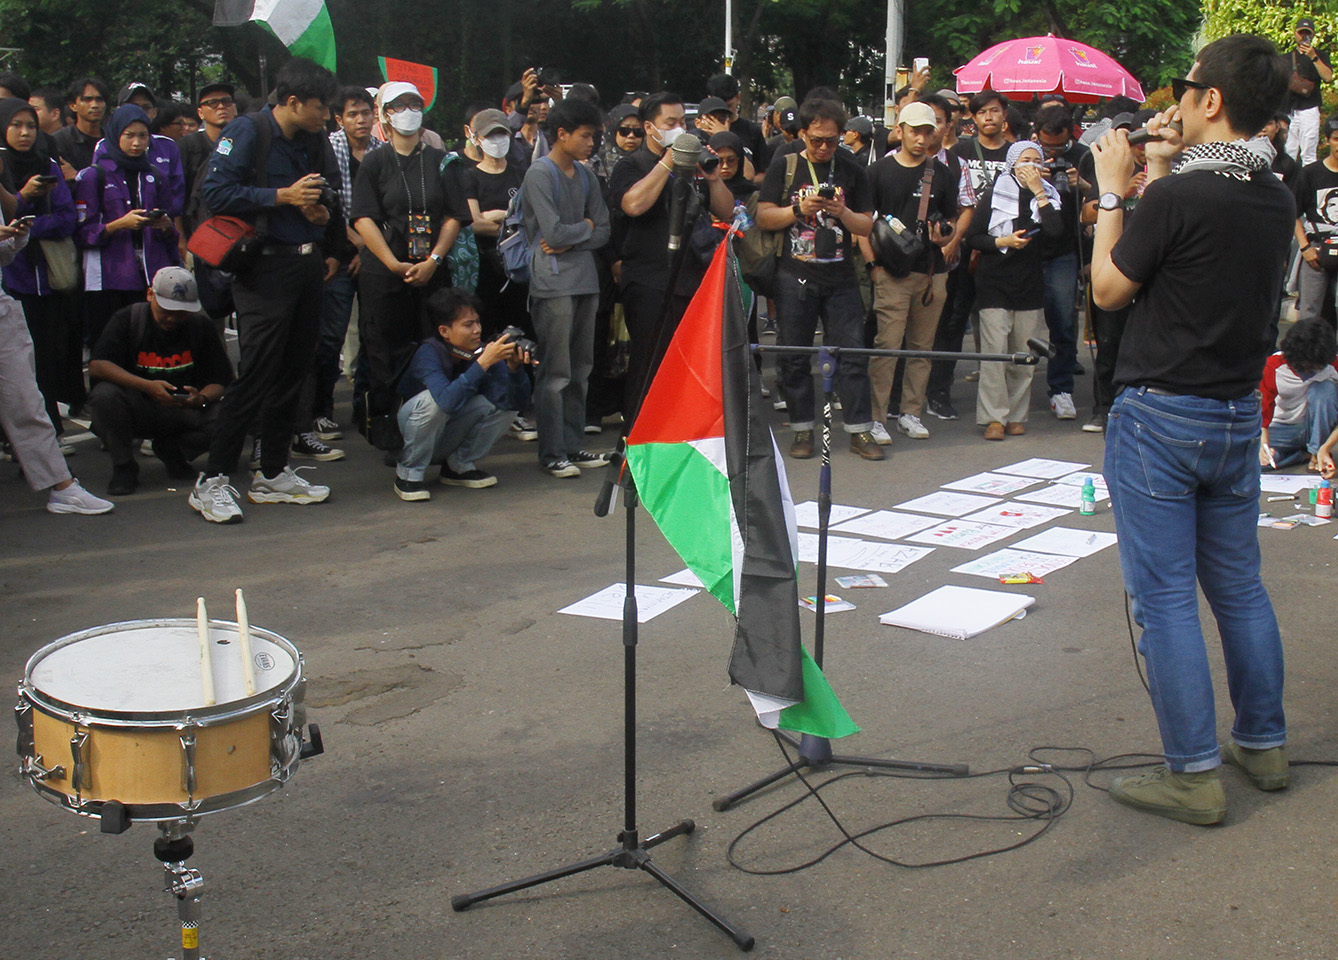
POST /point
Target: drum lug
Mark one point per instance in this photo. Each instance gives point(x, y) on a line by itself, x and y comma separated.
point(23, 716)
point(32, 767)
point(77, 744)
point(188, 768)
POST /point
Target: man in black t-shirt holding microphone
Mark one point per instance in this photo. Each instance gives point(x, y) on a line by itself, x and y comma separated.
point(1205, 254)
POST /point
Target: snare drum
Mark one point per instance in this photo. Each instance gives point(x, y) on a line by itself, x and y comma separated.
point(117, 713)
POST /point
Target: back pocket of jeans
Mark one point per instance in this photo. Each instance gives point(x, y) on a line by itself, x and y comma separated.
point(1169, 465)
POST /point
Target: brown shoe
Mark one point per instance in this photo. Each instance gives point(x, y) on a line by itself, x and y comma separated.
point(995, 431)
point(866, 446)
point(801, 447)
point(1015, 429)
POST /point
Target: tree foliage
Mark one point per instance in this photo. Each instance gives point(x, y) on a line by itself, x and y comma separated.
point(1271, 19)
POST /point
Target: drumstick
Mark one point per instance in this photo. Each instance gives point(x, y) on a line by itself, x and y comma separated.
point(244, 635)
point(206, 661)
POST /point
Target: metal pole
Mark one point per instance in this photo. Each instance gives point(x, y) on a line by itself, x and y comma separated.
point(729, 36)
point(896, 15)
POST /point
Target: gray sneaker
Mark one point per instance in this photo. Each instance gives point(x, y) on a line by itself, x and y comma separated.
point(215, 499)
point(75, 499)
point(287, 487)
point(1267, 769)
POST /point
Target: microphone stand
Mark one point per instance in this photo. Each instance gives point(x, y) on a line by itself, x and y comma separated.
point(632, 852)
point(813, 751)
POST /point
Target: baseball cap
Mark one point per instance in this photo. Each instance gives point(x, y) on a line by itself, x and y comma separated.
point(861, 125)
point(917, 114)
point(216, 87)
point(787, 113)
point(1306, 23)
point(134, 87)
point(1122, 121)
point(489, 121)
point(396, 89)
point(951, 95)
point(174, 288)
point(712, 105)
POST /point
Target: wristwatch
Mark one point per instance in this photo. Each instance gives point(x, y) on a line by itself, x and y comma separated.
point(1110, 201)
point(436, 258)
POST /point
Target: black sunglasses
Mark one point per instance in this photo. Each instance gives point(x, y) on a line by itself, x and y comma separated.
point(631, 132)
point(1180, 84)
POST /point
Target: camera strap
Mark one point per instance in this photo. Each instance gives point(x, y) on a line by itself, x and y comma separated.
point(922, 225)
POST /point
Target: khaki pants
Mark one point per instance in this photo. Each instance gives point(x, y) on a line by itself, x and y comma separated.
point(1005, 388)
point(901, 311)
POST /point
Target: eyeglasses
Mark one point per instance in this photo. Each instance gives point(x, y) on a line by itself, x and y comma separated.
point(218, 103)
point(822, 141)
point(1180, 84)
point(631, 132)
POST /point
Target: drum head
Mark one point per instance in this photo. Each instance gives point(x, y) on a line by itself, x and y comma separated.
point(152, 667)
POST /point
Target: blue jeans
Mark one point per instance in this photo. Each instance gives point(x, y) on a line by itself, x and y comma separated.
point(1061, 317)
point(799, 305)
point(458, 439)
point(1184, 483)
point(1298, 442)
point(336, 308)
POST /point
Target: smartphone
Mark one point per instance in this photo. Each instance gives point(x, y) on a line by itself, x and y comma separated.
point(45, 178)
point(1031, 233)
point(24, 221)
point(154, 214)
point(920, 63)
point(179, 393)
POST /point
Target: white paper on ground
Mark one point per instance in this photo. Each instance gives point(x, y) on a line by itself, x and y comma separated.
point(1042, 468)
point(963, 534)
point(1018, 515)
point(1008, 562)
point(808, 546)
point(993, 484)
point(806, 513)
point(1068, 541)
point(948, 504)
point(1287, 482)
point(878, 557)
point(1060, 495)
point(886, 524)
point(607, 604)
point(684, 578)
point(1079, 478)
point(958, 612)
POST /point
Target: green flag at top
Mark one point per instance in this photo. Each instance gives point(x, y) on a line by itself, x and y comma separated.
point(709, 473)
point(303, 26)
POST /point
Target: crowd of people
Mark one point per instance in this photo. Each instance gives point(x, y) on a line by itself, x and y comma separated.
point(512, 275)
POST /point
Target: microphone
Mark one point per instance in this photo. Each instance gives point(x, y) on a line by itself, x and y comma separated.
point(1141, 135)
point(612, 474)
point(683, 155)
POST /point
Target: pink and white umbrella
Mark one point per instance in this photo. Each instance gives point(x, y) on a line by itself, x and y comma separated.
point(1048, 64)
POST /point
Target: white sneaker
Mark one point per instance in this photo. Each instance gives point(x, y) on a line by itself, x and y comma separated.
point(1061, 405)
point(880, 434)
point(287, 487)
point(75, 499)
point(523, 429)
point(216, 499)
point(910, 425)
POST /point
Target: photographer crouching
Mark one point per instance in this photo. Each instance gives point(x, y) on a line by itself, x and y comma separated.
point(1205, 254)
point(461, 396)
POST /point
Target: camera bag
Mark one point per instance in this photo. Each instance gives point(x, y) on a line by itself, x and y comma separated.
point(760, 250)
point(1298, 84)
point(899, 253)
point(231, 243)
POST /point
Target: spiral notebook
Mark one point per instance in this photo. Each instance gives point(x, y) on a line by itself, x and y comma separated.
point(959, 612)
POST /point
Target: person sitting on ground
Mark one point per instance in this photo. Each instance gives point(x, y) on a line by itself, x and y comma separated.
point(1299, 392)
point(160, 369)
point(461, 396)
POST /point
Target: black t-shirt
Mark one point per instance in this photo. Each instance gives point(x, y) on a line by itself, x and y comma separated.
point(807, 253)
point(896, 193)
point(982, 167)
point(1316, 193)
point(190, 355)
point(389, 187)
point(753, 141)
point(1304, 66)
point(76, 147)
point(493, 191)
point(1287, 169)
point(1211, 253)
point(645, 239)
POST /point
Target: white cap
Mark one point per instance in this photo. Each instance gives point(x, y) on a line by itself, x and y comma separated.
point(917, 114)
point(392, 91)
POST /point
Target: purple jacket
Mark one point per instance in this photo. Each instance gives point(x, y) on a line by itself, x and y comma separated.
point(27, 273)
point(165, 156)
point(101, 195)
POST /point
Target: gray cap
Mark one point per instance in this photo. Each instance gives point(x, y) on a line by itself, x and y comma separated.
point(785, 103)
point(489, 121)
point(861, 125)
point(174, 288)
point(951, 95)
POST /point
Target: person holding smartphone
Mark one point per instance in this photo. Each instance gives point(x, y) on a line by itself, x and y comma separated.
point(1010, 282)
point(1310, 71)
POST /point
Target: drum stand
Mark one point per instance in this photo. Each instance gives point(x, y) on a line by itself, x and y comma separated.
point(173, 849)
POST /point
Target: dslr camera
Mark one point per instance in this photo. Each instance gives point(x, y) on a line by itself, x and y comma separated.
point(523, 343)
point(1058, 168)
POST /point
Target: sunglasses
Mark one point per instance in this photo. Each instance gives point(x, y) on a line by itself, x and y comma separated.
point(218, 102)
point(823, 141)
point(1180, 84)
point(631, 132)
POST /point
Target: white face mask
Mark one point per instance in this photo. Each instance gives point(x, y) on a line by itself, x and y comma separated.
point(496, 146)
point(666, 138)
point(407, 121)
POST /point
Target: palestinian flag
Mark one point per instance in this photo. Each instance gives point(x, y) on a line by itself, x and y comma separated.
point(711, 475)
point(303, 26)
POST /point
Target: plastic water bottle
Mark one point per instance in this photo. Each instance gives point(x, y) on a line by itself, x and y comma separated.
point(1324, 500)
point(1088, 506)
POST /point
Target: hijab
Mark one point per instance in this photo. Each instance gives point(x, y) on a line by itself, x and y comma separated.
point(125, 115)
point(1005, 199)
point(20, 165)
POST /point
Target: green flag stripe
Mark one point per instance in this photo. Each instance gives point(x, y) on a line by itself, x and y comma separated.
point(688, 497)
point(317, 41)
point(819, 713)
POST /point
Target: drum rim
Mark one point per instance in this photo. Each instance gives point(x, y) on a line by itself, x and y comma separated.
point(202, 716)
point(164, 812)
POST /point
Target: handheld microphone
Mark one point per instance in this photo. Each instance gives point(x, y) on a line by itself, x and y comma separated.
point(1141, 135)
point(683, 154)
